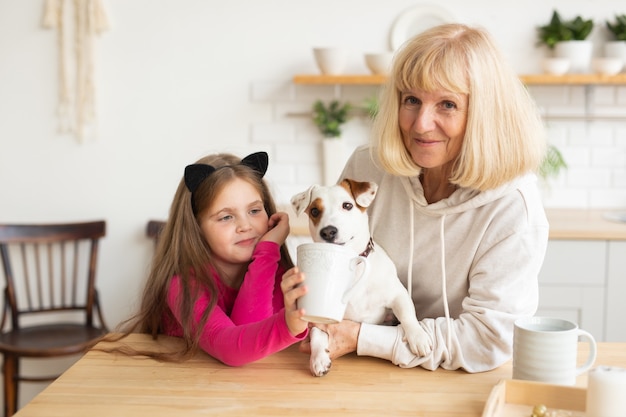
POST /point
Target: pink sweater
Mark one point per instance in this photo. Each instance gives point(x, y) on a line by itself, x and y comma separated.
point(246, 324)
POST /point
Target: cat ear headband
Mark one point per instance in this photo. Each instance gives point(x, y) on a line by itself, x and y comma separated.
point(196, 173)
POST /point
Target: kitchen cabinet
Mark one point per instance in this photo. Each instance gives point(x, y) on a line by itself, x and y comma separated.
point(585, 281)
point(572, 283)
point(616, 292)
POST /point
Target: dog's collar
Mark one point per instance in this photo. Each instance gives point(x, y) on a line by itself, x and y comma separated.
point(368, 249)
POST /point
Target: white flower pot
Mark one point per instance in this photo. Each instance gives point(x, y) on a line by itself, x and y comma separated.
point(335, 156)
point(616, 49)
point(578, 53)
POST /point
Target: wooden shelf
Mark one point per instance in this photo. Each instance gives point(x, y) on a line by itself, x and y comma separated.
point(573, 79)
point(535, 79)
point(356, 79)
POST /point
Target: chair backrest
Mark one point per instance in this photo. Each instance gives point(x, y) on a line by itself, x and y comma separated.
point(50, 268)
point(153, 229)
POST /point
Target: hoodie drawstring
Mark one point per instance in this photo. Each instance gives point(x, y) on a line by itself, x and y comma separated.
point(409, 277)
point(444, 290)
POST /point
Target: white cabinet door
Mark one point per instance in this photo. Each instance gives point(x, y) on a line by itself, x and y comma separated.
point(616, 293)
point(572, 283)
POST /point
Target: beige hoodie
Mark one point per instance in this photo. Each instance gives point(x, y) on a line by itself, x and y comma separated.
point(472, 270)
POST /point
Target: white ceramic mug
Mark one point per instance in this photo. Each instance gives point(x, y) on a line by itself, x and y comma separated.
point(545, 349)
point(332, 274)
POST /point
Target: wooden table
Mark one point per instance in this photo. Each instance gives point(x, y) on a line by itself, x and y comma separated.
point(102, 384)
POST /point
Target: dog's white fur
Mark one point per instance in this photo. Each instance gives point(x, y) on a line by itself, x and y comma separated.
point(337, 214)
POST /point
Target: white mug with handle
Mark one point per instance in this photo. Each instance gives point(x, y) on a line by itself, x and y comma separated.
point(545, 349)
point(332, 274)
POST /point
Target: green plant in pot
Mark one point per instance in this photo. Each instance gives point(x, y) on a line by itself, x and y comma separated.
point(329, 117)
point(552, 164)
point(617, 27)
point(568, 39)
point(559, 30)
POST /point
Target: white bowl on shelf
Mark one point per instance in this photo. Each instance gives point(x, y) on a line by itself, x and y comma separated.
point(331, 60)
point(555, 66)
point(607, 66)
point(379, 63)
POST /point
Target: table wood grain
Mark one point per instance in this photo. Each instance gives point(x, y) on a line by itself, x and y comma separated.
point(103, 384)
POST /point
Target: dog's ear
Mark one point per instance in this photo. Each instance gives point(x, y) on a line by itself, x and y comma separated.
point(363, 192)
point(301, 201)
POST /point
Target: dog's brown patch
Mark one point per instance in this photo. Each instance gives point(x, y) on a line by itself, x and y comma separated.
point(355, 188)
point(318, 205)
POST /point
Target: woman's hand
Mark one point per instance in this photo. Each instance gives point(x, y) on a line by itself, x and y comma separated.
point(342, 338)
point(292, 290)
point(278, 228)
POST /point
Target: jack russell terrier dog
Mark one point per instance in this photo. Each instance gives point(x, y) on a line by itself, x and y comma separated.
point(337, 214)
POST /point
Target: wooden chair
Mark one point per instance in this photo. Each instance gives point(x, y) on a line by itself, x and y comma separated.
point(50, 297)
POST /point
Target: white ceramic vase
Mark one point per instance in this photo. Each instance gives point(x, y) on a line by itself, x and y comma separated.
point(578, 53)
point(335, 156)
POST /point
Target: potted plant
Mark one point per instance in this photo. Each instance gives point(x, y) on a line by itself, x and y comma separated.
point(329, 119)
point(568, 39)
point(618, 27)
point(616, 47)
point(553, 162)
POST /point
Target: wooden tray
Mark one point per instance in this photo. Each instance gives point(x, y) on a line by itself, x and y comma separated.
point(516, 398)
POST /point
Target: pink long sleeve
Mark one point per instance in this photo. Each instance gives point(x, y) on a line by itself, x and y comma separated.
point(246, 324)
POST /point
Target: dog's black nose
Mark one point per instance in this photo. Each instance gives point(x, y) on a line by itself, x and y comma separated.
point(328, 233)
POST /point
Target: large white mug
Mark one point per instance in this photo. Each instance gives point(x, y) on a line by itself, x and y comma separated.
point(332, 274)
point(545, 349)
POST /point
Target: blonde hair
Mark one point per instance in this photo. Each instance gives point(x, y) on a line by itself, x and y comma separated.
point(504, 136)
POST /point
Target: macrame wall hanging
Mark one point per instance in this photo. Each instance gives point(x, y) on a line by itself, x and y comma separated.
point(76, 111)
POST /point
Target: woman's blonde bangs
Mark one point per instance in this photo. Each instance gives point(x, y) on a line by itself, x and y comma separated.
point(436, 67)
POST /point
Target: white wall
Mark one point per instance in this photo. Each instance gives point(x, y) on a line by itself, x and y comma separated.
point(177, 79)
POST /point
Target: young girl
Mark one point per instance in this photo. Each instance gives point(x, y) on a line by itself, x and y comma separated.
point(216, 277)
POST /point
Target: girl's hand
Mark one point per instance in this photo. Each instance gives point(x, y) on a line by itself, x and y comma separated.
point(278, 231)
point(342, 338)
point(292, 290)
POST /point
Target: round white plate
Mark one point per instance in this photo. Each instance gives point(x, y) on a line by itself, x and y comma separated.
point(415, 20)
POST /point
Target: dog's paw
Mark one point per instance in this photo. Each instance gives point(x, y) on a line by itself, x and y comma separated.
point(418, 340)
point(320, 364)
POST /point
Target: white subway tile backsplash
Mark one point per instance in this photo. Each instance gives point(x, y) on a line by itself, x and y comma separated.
point(600, 134)
point(619, 178)
point(576, 156)
point(621, 95)
point(608, 197)
point(549, 95)
point(588, 177)
point(608, 157)
point(603, 94)
point(317, 92)
point(566, 197)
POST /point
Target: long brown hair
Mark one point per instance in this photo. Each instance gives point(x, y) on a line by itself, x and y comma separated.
point(183, 251)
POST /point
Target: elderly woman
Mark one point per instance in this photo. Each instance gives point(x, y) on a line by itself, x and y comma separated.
point(455, 146)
